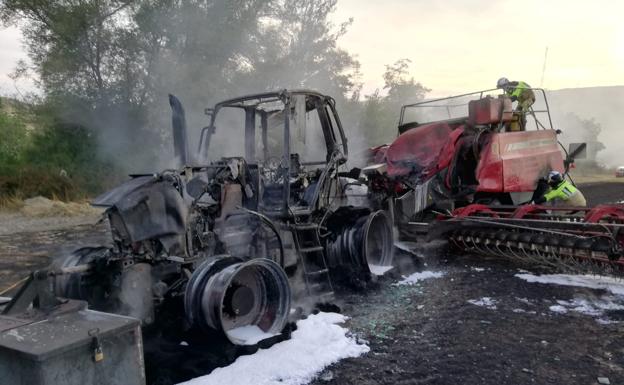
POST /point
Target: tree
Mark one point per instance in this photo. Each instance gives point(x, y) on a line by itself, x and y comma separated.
point(578, 129)
point(296, 47)
point(14, 139)
point(380, 114)
point(107, 65)
point(75, 46)
point(402, 89)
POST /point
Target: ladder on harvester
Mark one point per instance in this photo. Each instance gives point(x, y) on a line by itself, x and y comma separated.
point(313, 262)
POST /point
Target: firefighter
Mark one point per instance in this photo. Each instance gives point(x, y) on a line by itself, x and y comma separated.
point(561, 192)
point(518, 91)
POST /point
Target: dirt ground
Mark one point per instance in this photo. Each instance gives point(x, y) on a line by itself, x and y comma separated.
point(429, 333)
point(599, 193)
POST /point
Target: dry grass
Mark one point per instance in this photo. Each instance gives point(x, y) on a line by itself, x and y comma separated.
point(44, 207)
point(11, 203)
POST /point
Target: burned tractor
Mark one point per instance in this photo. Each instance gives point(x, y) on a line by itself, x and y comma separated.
point(466, 168)
point(256, 220)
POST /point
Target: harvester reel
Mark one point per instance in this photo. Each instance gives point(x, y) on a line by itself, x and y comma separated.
point(569, 239)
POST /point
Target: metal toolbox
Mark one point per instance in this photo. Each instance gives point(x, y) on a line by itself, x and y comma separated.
point(82, 347)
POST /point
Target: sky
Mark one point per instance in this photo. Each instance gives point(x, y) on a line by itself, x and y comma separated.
point(11, 51)
point(462, 45)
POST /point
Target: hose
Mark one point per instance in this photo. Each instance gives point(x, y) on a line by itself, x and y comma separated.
point(269, 223)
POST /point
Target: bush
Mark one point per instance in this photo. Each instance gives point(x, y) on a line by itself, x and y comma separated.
point(28, 181)
point(56, 160)
point(13, 140)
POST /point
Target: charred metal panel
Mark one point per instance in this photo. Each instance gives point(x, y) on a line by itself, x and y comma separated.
point(109, 198)
point(250, 134)
point(152, 211)
point(415, 201)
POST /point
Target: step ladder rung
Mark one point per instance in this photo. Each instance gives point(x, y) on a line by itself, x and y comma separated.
point(306, 226)
point(307, 250)
point(312, 258)
point(318, 272)
point(320, 288)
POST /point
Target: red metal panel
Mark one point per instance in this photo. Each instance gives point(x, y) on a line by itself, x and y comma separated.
point(377, 154)
point(490, 168)
point(489, 110)
point(525, 211)
point(609, 213)
point(417, 149)
point(525, 156)
point(474, 210)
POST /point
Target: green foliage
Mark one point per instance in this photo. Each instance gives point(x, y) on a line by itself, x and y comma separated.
point(377, 119)
point(27, 181)
point(380, 114)
point(13, 140)
point(402, 89)
point(53, 159)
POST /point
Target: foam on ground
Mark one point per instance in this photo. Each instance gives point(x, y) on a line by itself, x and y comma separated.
point(594, 307)
point(249, 335)
point(378, 269)
point(317, 343)
point(416, 277)
point(613, 285)
point(486, 302)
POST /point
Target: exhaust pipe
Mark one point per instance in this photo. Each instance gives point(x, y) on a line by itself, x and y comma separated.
point(178, 124)
point(246, 301)
point(368, 243)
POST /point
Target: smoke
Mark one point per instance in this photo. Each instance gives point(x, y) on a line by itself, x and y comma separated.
point(574, 109)
point(113, 64)
point(219, 51)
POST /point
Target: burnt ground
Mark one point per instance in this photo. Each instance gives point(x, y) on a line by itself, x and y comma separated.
point(428, 333)
point(26, 251)
point(598, 193)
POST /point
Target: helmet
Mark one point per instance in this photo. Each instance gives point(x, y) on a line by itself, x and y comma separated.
point(554, 177)
point(502, 82)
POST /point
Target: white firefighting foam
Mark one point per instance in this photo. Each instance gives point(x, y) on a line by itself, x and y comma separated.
point(317, 343)
point(378, 269)
point(416, 277)
point(613, 285)
point(249, 335)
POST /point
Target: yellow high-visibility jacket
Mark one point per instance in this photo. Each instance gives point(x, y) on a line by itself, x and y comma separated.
point(567, 193)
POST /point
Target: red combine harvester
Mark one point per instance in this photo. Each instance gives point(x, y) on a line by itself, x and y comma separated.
point(466, 167)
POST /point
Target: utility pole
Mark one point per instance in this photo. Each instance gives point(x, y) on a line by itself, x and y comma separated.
point(544, 67)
